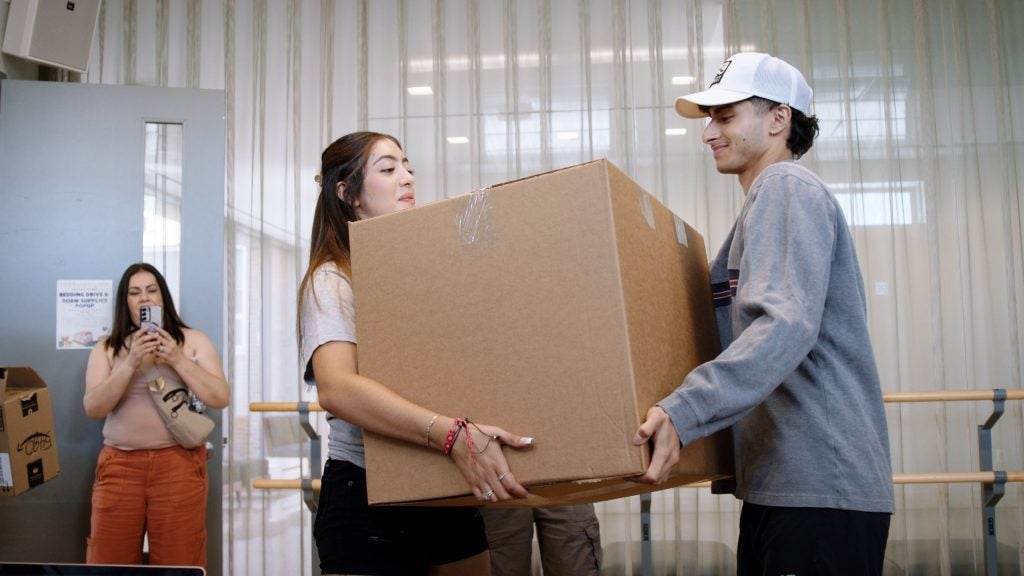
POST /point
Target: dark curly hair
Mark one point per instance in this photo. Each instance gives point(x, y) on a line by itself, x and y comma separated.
point(803, 129)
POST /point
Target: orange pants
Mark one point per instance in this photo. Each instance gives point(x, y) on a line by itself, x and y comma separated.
point(159, 492)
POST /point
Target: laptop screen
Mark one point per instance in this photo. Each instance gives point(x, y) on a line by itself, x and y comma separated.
point(34, 569)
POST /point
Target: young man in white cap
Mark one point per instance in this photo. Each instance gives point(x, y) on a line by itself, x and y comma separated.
point(796, 378)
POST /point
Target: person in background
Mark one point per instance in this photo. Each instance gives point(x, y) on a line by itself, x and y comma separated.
point(569, 539)
point(796, 378)
point(363, 175)
point(146, 484)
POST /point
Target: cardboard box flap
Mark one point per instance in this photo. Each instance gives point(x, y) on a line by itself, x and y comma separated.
point(584, 165)
point(473, 219)
point(19, 378)
point(709, 459)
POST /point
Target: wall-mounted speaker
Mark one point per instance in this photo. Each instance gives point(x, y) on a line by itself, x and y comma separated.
point(53, 32)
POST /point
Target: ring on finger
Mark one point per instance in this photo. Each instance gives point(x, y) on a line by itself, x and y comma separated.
point(502, 476)
point(488, 495)
point(161, 348)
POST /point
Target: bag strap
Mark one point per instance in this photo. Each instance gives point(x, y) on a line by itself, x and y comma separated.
point(177, 392)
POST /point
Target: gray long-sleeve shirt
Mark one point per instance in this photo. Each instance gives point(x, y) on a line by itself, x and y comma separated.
point(796, 377)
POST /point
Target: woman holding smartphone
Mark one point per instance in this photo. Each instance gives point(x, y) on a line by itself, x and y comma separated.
point(147, 484)
point(364, 175)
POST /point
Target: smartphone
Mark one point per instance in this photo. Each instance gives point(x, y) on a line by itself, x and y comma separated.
point(151, 317)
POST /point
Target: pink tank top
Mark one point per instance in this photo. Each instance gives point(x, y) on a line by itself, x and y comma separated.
point(135, 424)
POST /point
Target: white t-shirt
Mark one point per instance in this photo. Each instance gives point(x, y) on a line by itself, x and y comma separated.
point(328, 315)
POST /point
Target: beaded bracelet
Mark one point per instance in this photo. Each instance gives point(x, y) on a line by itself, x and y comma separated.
point(453, 433)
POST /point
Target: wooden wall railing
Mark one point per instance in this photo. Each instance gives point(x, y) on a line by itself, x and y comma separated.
point(952, 395)
point(925, 478)
point(888, 397)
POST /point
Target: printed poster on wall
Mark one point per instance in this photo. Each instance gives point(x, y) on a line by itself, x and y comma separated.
point(85, 311)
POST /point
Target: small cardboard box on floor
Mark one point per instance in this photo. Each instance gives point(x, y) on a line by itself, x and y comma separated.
point(560, 306)
point(28, 446)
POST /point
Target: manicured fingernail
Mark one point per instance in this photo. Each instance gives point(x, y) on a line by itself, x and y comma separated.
point(526, 441)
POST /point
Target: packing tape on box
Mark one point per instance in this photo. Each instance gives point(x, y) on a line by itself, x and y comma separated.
point(681, 231)
point(474, 223)
point(645, 207)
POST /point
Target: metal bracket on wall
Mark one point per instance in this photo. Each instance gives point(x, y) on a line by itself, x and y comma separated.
point(991, 492)
point(646, 553)
point(308, 496)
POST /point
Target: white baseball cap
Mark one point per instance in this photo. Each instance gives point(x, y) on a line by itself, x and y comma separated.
point(749, 74)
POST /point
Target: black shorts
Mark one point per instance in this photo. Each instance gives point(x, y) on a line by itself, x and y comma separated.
point(355, 538)
point(810, 541)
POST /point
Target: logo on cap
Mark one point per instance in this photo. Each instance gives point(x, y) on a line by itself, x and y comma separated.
point(721, 72)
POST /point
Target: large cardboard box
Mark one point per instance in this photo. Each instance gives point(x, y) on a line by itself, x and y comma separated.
point(560, 306)
point(28, 446)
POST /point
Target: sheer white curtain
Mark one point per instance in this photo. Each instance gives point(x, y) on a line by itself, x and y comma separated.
point(919, 102)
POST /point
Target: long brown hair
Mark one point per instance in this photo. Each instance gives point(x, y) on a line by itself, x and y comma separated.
point(123, 325)
point(344, 161)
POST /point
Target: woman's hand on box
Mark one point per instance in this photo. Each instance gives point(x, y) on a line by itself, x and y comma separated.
point(483, 463)
point(661, 433)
